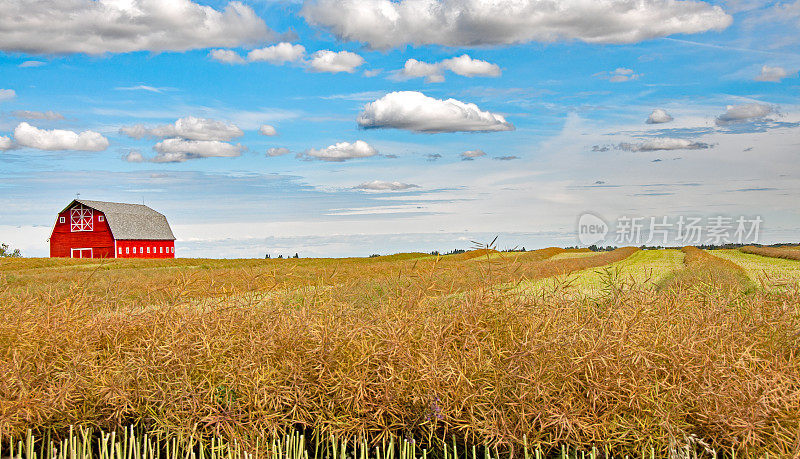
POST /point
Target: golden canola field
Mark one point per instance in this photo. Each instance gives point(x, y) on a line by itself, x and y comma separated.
point(662, 351)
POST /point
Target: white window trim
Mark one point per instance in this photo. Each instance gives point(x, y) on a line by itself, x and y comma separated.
point(72, 252)
point(62, 219)
point(81, 218)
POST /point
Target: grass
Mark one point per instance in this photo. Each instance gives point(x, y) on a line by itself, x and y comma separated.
point(372, 349)
point(766, 271)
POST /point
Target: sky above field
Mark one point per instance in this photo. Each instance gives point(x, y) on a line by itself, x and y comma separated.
point(352, 127)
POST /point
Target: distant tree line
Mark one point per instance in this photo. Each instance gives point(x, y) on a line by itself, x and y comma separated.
point(268, 256)
point(6, 252)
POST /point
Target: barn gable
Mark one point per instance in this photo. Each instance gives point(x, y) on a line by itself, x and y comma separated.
point(131, 221)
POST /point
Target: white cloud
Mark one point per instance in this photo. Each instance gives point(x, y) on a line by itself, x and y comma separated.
point(466, 66)
point(417, 112)
point(619, 75)
point(141, 87)
point(113, 26)
point(744, 112)
point(772, 74)
point(6, 143)
point(28, 64)
point(226, 56)
point(267, 130)
point(342, 151)
point(134, 156)
point(277, 54)
point(7, 94)
point(380, 185)
point(665, 143)
point(659, 116)
point(387, 24)
point(32, 115)
point(372, 73)
point(462, 65)
point(189, 128)
point(333, 62)
point(180, 150)
point(58, 139)
point(280, 151)
point(470, 155)
point(418, 69)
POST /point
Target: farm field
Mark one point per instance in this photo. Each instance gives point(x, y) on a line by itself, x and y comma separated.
point(765, 271)
point(633, 357)
point(645, 269)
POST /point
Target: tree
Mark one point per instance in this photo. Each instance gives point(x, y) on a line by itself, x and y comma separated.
point(6, 252)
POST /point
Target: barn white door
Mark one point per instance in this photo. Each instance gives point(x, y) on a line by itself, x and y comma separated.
point(81, 253)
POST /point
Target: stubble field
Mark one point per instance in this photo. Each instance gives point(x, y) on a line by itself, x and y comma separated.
point(627, 351)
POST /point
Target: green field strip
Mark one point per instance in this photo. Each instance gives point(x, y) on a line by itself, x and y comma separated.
point(643, 267)
point(765, 271)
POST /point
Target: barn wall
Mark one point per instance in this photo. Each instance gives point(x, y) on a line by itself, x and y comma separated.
point(157, 249)
point(62, 240)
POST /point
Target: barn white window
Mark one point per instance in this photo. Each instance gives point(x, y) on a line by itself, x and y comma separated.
point(81, 218)
point(101, 218)
point(161, 250)
point(127, 250)
point(62, 219)
point(141, 249)
point(148, 250)
point(172, 249)
point(134, 250)
point(120, 250)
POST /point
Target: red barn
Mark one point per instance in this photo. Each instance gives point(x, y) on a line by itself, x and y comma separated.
point(97, 229)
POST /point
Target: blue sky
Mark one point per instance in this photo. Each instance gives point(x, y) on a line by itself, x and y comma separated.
point(543, 121)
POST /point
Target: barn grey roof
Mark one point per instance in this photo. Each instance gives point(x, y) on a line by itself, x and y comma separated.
point(132, 221)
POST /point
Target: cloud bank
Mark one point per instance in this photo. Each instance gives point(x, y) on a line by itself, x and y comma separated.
point(472, 154)
point(380, 185)
point(110, 26)
point(414, 111)
point(664, 144)
point(276, 54)
point(58, 139)
point(772, 74)
point(189, 128)
point(32, 115)
point(333, 62)
point(342, 151)
point(744, 113)
point(462, 65)
point(280, 151)
point(387, 24)
point(180, 150)
point(659, 116)
point(267, 130)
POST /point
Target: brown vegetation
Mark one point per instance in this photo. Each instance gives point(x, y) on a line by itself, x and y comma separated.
point(789, 253)
point(706, 271)
point(420, 348)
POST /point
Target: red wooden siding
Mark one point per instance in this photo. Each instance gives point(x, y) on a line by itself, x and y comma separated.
point(145, 249)
point(100, 240)
point(66, 243)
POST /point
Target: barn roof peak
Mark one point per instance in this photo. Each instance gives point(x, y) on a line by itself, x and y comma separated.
point(131, 221)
